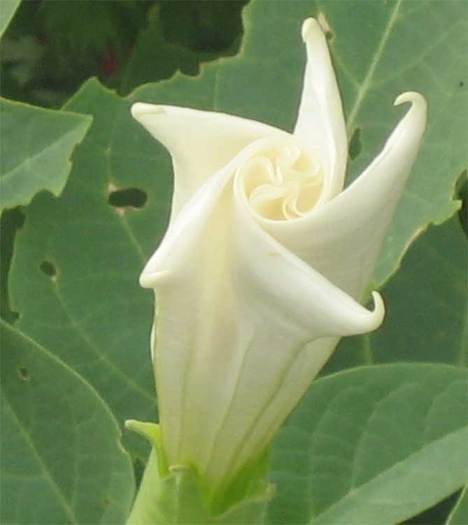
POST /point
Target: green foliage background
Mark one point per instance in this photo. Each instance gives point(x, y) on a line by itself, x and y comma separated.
point(86, 196)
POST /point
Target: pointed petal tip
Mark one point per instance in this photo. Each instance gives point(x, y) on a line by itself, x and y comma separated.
point(416, 99)
point(141, 109)
point(145, 280)
point(368, 320)
point(378, 313)
point(310, 27)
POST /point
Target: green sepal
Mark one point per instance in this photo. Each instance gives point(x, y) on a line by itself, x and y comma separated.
point(151, 432)
point(177, 496)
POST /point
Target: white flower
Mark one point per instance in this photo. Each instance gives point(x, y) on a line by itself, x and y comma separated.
point(263, 264)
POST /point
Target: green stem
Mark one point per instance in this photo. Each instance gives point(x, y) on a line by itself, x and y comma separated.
point(175, 495)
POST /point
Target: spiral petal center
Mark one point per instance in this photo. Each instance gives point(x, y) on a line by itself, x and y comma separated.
point(282, 183)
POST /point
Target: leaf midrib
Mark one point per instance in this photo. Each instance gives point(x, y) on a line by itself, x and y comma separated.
point(44, 151)
point(43, 466)
point(366, 83)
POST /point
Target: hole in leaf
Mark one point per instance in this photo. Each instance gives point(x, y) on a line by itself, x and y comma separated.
point(48, 268)
point(355, 145)
point(129, 197)
point(23, 374)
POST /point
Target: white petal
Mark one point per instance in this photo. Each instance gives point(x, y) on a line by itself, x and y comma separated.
point(234, 313)
point(305, 366)
point(342, 239)
point(320, 124)
point(200, 142)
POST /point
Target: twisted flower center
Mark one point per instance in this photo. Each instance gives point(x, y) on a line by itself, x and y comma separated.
point(282, 183)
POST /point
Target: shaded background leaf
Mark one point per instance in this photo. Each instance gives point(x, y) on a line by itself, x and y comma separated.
point(426, 304)
point(47, 52)
point(179, 36)
point(150, 48)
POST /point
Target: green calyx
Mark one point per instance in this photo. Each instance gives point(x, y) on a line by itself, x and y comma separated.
point(152, 433)
point(177, 494)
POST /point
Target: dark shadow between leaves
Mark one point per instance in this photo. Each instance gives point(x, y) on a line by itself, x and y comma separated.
point(461, 192)
point(11, 221)
point(355, 144)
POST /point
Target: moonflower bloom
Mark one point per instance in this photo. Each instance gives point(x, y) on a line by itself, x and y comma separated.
point(263, 265)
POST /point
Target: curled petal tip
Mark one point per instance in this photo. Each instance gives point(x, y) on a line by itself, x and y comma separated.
point(378, 314)
point(415, 120)
point(415, 98)
point(310, 27)
point(363, 320)
point(140, 109)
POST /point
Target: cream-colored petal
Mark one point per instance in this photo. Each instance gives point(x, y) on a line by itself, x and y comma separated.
point(234, 313)
point(342, 239)
point(200, 142)
point(305, 366)
point(320, 124)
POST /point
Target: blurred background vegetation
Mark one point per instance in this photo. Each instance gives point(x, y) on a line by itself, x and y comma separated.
point(52, 46)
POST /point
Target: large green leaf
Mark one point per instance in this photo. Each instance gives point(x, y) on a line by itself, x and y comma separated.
point(74, 274)
point(372, 445)
point(426, 303)
point(6, 13)
point(35, 150)
point(61, 457)
point(179, 36)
